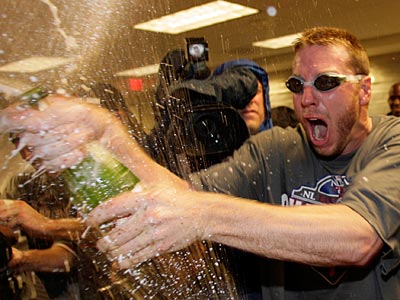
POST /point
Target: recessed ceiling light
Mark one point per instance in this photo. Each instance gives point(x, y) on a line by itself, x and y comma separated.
point(35, 64)
point(279, 42)
point(197, 17)
point(141, 71)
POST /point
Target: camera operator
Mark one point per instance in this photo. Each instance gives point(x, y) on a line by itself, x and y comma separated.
point(257, 113)
point(198, 115)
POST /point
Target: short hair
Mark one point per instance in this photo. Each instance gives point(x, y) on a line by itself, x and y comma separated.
point(327, 36)
point(393, 87)
point(283, 116)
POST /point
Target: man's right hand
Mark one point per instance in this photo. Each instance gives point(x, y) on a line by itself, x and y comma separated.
point(57, 134)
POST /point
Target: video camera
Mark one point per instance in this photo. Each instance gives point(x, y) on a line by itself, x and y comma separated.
point(200, 111)
point(197, 51)
point(210, 130)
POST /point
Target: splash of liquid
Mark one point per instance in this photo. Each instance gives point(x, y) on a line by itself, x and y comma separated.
point(70, 41)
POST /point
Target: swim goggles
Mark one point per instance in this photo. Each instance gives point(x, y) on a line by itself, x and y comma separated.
point(323, 82)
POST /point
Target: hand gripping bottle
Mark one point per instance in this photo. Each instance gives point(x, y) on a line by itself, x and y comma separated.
point(98, 177)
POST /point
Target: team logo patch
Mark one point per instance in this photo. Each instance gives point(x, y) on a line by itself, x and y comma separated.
point(329, 189)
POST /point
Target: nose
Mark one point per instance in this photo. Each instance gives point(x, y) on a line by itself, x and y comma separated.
point(307, 97)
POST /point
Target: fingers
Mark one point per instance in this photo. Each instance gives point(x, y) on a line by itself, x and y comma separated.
point(13, 119)
point(69, 135)
point(24, 118)
point(7, 209)
point(135, 244)
point(56, 137)
point(57, 148)
point(64, 161)
point(149, 228)
point(62, 148)
point(135, 252)
point(8, 213)
point(127, 229)
point(59, 111)
point(117, 207)
point(122, 236)
point(134, 232)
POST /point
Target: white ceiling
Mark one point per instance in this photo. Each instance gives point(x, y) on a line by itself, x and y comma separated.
point(99, 35)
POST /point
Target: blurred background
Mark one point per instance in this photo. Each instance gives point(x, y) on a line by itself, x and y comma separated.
point(67, 44)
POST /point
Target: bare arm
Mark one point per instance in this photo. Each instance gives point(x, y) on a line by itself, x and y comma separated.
point(166, 219)
point(58, 258)
point(324, 235)
point(18, 214)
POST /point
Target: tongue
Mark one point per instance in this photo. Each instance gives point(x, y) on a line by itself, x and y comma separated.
point(319, 131)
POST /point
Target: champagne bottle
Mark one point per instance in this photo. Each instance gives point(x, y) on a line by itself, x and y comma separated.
point(97, 178)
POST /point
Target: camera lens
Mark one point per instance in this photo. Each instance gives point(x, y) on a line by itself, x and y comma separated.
point(214, 130)
point(206, 128)
point(196, 50)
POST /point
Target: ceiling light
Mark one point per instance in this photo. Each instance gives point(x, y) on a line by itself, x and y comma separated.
point(197, 17)
point(279, 42)
point(35, 64)
point(141, 71)
point(9, 90)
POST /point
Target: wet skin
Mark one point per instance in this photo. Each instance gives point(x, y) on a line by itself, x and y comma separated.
point(336, 121)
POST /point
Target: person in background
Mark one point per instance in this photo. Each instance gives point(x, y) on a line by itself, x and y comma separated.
point(257, 113)
point(394, 100)
point(320, 203)
point(284, 116)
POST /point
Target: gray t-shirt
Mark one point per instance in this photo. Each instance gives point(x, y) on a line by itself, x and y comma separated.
point(278, 166)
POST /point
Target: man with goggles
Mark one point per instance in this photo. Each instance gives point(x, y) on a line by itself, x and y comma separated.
point(319, 203)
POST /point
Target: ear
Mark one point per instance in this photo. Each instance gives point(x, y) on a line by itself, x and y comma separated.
point(364, 95)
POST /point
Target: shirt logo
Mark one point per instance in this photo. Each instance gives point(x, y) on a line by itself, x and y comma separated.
point(329, 189)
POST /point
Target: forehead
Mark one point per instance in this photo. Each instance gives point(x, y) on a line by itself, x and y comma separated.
point(316, 59)
point(395, 90)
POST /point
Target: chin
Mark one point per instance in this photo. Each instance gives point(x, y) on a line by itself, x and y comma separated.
point(327, 152)
point(253, 129)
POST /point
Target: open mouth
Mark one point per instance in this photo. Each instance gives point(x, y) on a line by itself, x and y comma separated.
point(318, 129)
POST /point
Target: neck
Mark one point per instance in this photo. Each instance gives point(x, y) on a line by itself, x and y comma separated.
point(360, 132)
